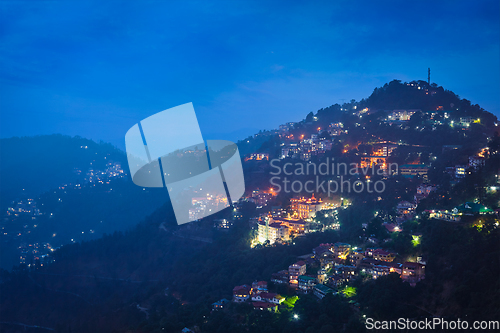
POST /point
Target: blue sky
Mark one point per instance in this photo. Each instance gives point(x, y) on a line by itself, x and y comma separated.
point(95, 68)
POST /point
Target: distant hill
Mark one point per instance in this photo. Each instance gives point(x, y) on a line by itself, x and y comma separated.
point(32, 165)
point(81, 190)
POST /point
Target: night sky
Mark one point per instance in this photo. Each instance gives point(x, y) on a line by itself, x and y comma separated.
point(95, 68)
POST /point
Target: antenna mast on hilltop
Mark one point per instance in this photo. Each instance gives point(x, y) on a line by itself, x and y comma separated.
point(429, 76)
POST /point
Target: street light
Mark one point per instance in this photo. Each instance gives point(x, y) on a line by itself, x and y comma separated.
point(295, 316)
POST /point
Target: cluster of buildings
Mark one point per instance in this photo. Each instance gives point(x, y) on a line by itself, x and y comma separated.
point(381, 151)
point(261, 198)
point(405, 210)
point(305, 149)
point(295, 277)
point(465, 122)
point(257, 294)
point(411, 272)
point(475, 162)
point(24, 207)
point(285, 128)
point(400, 115)
point(304, 208)
point(203, 204)
point(423, 191)
point(36, 255)
point(336, 129)
point(456, 214)
point(31, 254)
point(258, 157)
point(414, 170)
point(223, 224)
point(278, 228)
point(334, 266)
point(113, 170)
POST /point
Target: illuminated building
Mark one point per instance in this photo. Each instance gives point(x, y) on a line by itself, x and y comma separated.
point(294, 271)
point(382, 255)
point(241, 293)
point(413, 272)
point(295, 225)
point(336, 129)
point(321, 290)
point(401, 115)
point(411, 170)
point(258, 157)
point(272, 232)
point(460, 171)
point(341, 250)
point(305, 208)
point(306, 283)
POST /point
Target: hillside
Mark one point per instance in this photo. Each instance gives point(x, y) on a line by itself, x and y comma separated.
point(57, 190)
point(161, 277)
point(33, 165)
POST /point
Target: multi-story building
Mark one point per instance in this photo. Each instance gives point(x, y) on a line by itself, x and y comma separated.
point(412, 170)
point(413, 272)
point(336, 129)
point(347, 272)
point(460, 171)
point(341, 250)
point(382, 255)
point(241, 293)
point(306, 283)
point(272, 232)
point(320, 290)
point(259, 287)
point(357, 257)
point(383, 149)
point(296, 270)
point(295, 225)
point(466, 121)
point(290, 150)
point(305, 208)
point(280, 277)
point(406, 209)
point(377, 268)
point(324, 145)
point(268, 297)
point(306, 148)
